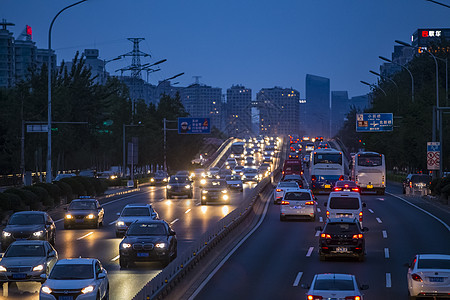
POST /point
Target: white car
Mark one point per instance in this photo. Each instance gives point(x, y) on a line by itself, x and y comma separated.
point(134, 212)
point(429, 276)
point(213, 172)
point(281, 188)
point(77, 278)
point(234, 182)
point(345, 204)
point(298, 203)
point(251, 174)
point(335, 286)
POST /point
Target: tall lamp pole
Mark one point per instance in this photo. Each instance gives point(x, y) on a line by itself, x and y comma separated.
point(384, 78)
point(48, 175)
point(373, 86)
point(404, 67)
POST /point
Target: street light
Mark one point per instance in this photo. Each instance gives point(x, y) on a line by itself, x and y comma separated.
point(384, 78)
point(410, 74)
point(48, 177)
point(373, 86)
point(439, 3)
point(108, 61)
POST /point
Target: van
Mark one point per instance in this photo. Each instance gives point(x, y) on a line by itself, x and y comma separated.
point(345, 204)
point(292, 166)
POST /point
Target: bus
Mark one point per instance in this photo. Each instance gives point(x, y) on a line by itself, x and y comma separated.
point(237, 150)
point(326, 167)
point(369, 171)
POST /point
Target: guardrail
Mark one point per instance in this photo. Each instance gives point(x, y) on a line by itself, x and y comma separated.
point(222, 151)
point(166, 280)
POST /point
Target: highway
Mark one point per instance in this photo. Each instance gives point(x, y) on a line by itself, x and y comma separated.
point(281, 256)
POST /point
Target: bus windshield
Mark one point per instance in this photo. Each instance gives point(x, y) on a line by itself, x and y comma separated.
point(237, 148)
point(334, 158)
point(370, 160)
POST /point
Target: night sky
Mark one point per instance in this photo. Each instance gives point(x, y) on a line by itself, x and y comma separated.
point(257, 43)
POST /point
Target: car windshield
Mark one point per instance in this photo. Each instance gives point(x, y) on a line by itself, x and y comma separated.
point(232, 178)
point(329, 158)
point(342, 183)
point(327, 178)
point(250, 171)
point(72, 271)
point(334, 285)
point(81, 205)
point(135, 211)
point(25, 251)
point(216, 183)
point(293, 168)
point(179, 179)
point(369, 160)
point(344, 203)
point(288, 184)
point(292, 177)
point(26, 219)
point(146, 229)
point(337, 228)
point(420, 178)
point(299, 196)
point(443, 264)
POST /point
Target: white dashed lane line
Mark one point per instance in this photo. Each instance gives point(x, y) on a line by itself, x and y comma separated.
point(115, 258)
point(317, 232)
point(384, 234)
point(379, 220)
point(388, 280)
point(320, 219)
point(371, 211)
point(386, 252)
point(318, 210)
point(84, 236)
point(174, 221)
point(297, 279)
point(187, 211)
point(309, 251)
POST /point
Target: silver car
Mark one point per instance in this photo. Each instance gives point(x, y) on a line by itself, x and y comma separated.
point(335, 286)
point(134, 212)
point(27, 260)
point(298, 204)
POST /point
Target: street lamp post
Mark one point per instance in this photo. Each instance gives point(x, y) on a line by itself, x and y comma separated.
point(404, 67)
point(104, 66)
point(48, 176)
point(373, 86)
point(384, 78)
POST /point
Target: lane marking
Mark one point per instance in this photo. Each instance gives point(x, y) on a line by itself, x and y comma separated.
point(388, 280)
point(86, 235)
point(162, 199)
point(297, 279)
point(320, 219)
point(174, 221)
point(386, 252)
point(317, 233)
point(379, 220)
point(187, 211)
point(318, 209)
point(385, 234)
point(380, 199)
point(309, 251)
point(371, 211)
point(113, 222)
point(423, 210)
point(115, 258)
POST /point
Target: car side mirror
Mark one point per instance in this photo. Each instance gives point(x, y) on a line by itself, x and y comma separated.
point(315, 198)
point(101, 275)
point(118, 214)
point(364, 204)
point(318, 228)
point(364, 287)
point(324, 204)
point(365, 229)
point(43, 276)
point(172, 232)
point(52, 254)
point(305, 286)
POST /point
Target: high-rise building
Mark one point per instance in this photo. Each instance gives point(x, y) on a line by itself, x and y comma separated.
point(279, 110)
point(238, 110)
point(402, 55)
point(317, 106)
point(204, 101)
point(7, 58)
point(431, 38)
point(339, 109)
point(361, 103)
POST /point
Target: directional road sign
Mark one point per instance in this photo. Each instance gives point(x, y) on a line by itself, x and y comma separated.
point(194, 125)
point(369, 122)
point(37, 128)
point(433, 155)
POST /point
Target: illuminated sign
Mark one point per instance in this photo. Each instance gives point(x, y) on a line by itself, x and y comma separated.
point(431, 33)
point(29, 31)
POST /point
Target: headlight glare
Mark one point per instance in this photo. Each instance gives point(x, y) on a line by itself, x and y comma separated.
point(188, 186)
point(90, 216)
point(224, 191)
point(68, 216)
point(2, 269)
point(38, 268)
point(203, 181)
point(6, 234)
point(204, 192)
point(126, 245)
point(46, 290)
point(160, 245)
point(169, 187)
point(120, 223)
point(38, 233)
point(87, 289)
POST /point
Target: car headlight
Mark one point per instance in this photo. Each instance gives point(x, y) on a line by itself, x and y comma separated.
point(225, 197)
point(204, 192)
point(165, 179)
point(90, 216)
point(46, 290)
point(169, 187)
point(120, 223)
point(243, 177)
point(217, 177)
point(160, 245)
point(152, 179)
point(113, 177)
point(38, 268)
point(88, 289)
point(203, 181)
point(187, 186)
point(38, 233)
point(68, 216)
point(224, 191)
point(2, 269)
point(192, 174)
point(6, 234)
point(125, 245)
point(203, 174)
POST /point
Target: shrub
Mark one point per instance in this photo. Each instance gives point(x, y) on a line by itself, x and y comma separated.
point(10, 201)
point(88, 186)
point(28, 198)
point(52, 189)
point(66, 189)
point(104, 184)
point(97, 184)
point(77, 188)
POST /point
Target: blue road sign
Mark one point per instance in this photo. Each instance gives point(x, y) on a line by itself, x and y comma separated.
point(369, 122)
point(194, 125)
point(434, 146)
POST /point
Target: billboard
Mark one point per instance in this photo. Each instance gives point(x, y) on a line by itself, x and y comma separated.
point(374, 122)
point(194, 125)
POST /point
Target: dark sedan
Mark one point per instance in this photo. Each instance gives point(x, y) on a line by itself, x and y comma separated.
point(82, 212)
point(148, 241)
point(324, 183)
point(215, 190)
point(179, 186)
point(160, 177)
point(295, 178)
point(29, 225)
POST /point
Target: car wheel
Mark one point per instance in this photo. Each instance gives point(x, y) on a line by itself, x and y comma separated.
point(101, 223)
point(96, 224)
point(242, 190)
point(53, 239)
point(168, 196)
point(165, 261)
point(190, 195)
point(98, 297)
point(404, 191)
point(411, 297)
point(203, 202)
point(313, 218)
point(123, 263)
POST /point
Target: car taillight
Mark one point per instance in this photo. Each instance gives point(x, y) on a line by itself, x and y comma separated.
point(279, 190)
point(313, 178)
point(337, 189)
point(360, 216)
point(346, 185)
point(325, 236)
point(353, 298)
point(284, 202)
point(309, 202)
point(410, 184)
point(355, 189)
point(314, 297)
point(341, 177)
point(328, 214)
point(358, 236)
point(416, 277)
point(282, 172)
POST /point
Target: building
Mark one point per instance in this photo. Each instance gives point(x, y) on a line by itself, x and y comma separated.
point(238, 111)
point(201, 100)
point(402, 55)
point(340, 106)
point(7, 57)
point(279, 110)
point(316, 116)
point(361, 103)
point(431, 38)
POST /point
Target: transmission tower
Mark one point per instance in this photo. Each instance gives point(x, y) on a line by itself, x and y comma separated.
point(136, 54)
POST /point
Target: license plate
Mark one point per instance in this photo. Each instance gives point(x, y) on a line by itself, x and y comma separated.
point(79, 221)
point(142, 254)
point(327, 186)
point(370, 186)
point(436, 279)
point(65, 298)
point(19, 276)
point(346, 190)
point(341, 249)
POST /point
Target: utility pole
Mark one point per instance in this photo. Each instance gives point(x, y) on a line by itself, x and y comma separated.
point(165, 139)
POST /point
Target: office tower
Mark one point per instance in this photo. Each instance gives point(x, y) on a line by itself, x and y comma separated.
point(317, 107)
point(238, 111)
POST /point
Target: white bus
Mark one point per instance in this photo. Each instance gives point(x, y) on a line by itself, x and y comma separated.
point(237, 150)
point(369, 171)
point(326, 167)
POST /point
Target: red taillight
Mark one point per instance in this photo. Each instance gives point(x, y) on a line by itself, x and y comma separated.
point(341, 177)
point(360, 216)
point(284, 202)
point(410, 184)
point(328, 213)
point(353, 298)
point(337, 189)
point(355, 189)
point(282, 172)
point(358, 236)
point(416, 277)
point(346, 185)
point(326, 236)
point(279, 190)
point(309, 202)
point(313, 297)
point(313, 178)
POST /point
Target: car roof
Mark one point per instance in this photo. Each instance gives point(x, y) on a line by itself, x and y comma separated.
point(335, 276)
point(342, 220)
point(150, 221)
point(284, 182)
point(77, 261)
point(345, 182)
point(84, 199)
point(344, 194)
point(433, 256)
point(138, 205)
point(30, 212)
point(297, 190)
